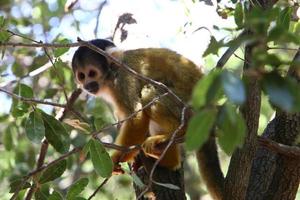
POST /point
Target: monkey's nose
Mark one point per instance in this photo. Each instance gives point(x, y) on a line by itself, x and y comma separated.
point(92, 87)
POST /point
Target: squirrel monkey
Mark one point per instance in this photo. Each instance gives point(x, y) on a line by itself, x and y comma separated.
point(126, 94)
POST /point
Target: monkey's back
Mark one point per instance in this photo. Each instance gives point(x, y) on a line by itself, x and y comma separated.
point(167, 67)
point(175, 71)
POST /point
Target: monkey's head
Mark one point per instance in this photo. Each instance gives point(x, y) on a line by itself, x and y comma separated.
point(91, 69)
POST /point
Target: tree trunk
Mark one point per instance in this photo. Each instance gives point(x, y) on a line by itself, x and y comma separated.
point(161, 175)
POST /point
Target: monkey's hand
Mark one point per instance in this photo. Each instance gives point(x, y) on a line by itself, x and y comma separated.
point(116, 158)
point(152, 147)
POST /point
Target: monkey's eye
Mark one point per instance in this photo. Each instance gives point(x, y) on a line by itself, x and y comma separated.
point(81, 76)
point(92, 73)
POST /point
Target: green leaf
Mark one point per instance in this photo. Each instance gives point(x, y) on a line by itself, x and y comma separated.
point(4, 36)
point(17, 69)
point(55, 196)
point(86, 147)
point(24, 91)
point(77, 188)
point(199, 128)
point(7, 139)
point(14, 185)
point(18, 107)
point(215, 92)
point(60, 51)
point(42, 193)
point(53, 172)
point(233, 87)
point(284, 18)
point(279, 91)
point(239, 15)
point(56, 133)
point(35, 129)
point(100, 159)
point(199, 96)
point(2, 22)
point(213, 46)
point(232, 129)
point(50, 93)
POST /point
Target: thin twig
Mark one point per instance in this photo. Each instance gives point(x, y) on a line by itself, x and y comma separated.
point(57, 74)
point(98, 188)
point(98, 17)
point(40, 162)
point(37, 45)
point(30, 100)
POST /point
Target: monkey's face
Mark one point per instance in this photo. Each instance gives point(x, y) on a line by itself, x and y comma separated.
point(90, 78)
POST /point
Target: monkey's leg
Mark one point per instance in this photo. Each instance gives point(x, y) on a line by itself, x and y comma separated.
point(155, 145)
point(133, 131)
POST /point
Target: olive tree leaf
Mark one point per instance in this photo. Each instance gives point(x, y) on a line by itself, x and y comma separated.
point(56, 133)
point(199, 128)
point(100, 159)
point(35, 129)
point(53, 172)
point(76, 188)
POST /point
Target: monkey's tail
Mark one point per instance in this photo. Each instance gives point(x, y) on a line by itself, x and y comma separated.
point(210, 169)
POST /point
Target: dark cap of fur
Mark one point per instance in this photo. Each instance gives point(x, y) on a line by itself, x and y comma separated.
point(85, 56)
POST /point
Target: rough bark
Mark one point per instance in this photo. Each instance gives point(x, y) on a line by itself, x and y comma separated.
point(161, 175)
point(277, 176)
point(236, 181)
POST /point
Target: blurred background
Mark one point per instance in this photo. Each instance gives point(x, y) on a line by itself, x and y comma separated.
point(185, 26)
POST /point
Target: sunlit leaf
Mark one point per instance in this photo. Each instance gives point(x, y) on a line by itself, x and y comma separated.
point(100, 159)
point(35, 129)
point(239, 15)
point(213, 47)
point(199, 97)
point(76, 188)
point(60, 51)
point(284, 18)
point(53, 172)
point(199, 128)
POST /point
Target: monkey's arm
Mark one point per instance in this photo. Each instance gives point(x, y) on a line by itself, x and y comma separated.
point(133, 131)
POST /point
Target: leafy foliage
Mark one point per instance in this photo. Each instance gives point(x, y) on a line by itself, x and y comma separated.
point(217, 98)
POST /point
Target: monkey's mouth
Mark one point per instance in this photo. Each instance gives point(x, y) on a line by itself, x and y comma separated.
point(92, 87)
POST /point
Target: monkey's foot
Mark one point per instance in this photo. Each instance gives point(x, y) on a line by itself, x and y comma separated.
point(151, 145)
